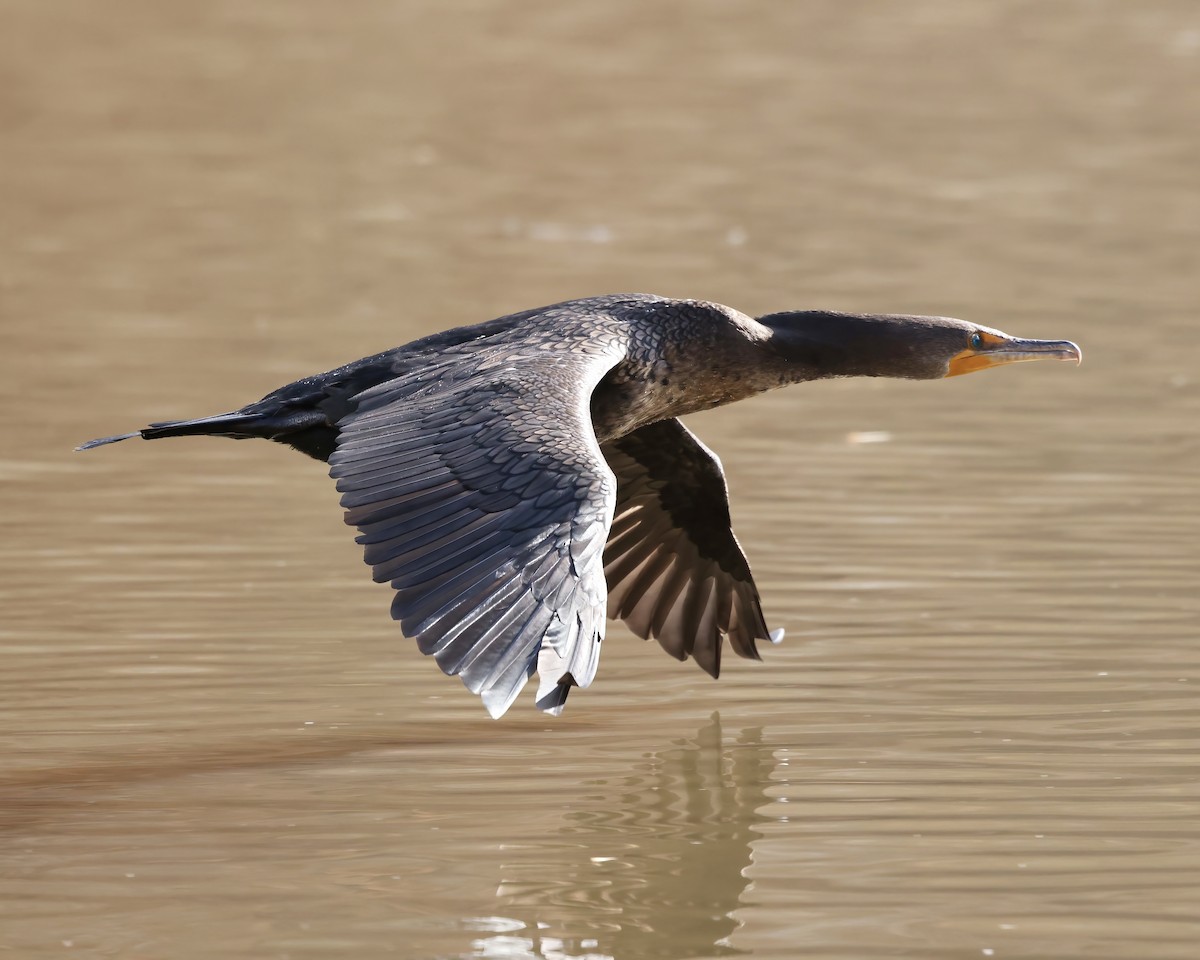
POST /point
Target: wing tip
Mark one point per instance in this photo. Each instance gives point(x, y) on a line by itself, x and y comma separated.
point(553, 700)
point(496, 705)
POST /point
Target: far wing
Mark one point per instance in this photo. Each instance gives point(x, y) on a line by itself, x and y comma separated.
point(481, 495)
point(675, 570)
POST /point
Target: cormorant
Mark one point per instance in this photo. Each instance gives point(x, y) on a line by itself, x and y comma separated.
point(517, 480)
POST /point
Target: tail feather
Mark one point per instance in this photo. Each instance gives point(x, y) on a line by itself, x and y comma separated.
point(306, 430)
point(223, 424)
point(101, 441)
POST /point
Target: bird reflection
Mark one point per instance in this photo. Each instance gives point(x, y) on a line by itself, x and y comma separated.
point(652, 865)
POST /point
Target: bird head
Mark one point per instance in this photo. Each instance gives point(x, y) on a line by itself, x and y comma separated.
point(896, 345)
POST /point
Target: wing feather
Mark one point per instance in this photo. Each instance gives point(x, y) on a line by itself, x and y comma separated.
point(675, 570)
point(481, 495)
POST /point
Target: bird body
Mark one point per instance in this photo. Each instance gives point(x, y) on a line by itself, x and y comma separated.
point(518, 480)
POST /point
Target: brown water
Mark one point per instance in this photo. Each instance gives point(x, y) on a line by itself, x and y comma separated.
point(981, 735)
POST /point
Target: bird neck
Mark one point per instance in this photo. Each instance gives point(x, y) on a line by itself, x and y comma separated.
point(819, 346)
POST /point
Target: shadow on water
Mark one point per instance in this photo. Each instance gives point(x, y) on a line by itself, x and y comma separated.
point(673, 837)
point(48, 795)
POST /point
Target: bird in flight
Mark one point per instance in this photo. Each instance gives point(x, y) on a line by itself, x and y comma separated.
point(519, 480)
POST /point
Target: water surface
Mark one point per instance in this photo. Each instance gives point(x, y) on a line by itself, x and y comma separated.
point(980, 737)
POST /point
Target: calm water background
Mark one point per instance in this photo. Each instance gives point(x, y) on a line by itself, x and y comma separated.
point(981, 735)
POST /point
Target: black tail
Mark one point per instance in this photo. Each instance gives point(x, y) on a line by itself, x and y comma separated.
point(222, 425)
point(307, 431)
point(101, 441)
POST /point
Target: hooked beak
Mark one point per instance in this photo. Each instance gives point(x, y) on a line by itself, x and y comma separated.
point(998, 350)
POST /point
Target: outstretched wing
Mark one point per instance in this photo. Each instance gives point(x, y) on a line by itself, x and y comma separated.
point(675, 570)
point(481, 494)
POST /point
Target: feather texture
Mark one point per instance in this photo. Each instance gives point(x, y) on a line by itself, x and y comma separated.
point(675, 571)
point(487, 517)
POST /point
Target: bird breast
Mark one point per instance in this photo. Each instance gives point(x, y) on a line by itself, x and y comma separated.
point(635, 393)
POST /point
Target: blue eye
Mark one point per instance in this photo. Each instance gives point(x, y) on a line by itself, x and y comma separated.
point(976, 340)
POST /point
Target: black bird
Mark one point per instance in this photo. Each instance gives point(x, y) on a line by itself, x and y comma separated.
point(516, 480)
